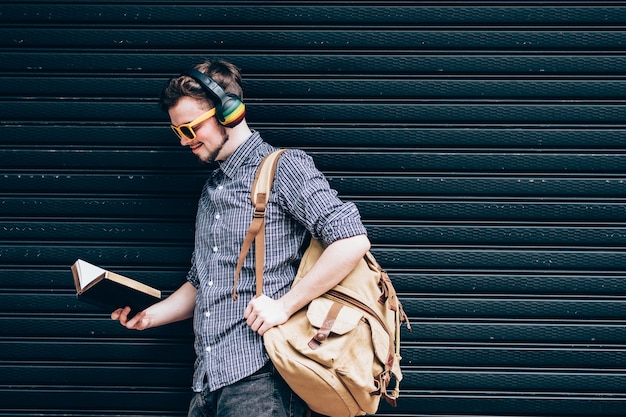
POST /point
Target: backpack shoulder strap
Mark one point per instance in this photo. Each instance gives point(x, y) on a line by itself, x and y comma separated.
point(264, 178)
point(259, 196)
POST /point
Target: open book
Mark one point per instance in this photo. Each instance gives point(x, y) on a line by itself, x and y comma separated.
point(107, 289)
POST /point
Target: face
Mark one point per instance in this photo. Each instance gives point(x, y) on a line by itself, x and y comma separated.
point(210, 135)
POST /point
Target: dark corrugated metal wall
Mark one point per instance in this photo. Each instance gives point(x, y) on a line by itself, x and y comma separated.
point(484, 144)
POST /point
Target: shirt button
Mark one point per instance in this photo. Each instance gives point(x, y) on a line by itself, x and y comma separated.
point(214, 248)
point(217, 216)
point(210, 283)
point(220, 187)
point(207, 314)
point(208, 348)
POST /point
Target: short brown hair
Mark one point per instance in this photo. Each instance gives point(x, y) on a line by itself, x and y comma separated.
point(224, 73)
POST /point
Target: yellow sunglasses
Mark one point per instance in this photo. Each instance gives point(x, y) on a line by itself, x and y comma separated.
point(186, 129)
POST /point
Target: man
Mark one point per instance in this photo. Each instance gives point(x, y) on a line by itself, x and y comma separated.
point(233, 376)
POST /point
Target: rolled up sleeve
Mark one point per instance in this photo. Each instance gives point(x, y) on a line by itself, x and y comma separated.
point(307, 196)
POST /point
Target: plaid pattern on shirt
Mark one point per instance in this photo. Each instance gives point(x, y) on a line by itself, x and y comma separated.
point(301, 203)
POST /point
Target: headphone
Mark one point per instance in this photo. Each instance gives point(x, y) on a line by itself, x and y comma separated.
point(230, 110)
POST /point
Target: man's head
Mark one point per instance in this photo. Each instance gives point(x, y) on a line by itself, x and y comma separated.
point(216, 82)
point(206, 112)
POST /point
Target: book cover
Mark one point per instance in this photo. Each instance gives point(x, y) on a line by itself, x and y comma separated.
point(111, 291)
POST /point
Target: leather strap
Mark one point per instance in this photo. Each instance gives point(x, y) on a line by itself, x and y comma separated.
point(260, 195)
point(327, 325)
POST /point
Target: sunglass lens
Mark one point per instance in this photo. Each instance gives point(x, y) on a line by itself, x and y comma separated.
point(188, 132)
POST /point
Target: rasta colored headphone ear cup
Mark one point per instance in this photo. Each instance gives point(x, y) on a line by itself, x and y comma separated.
point(230, 110)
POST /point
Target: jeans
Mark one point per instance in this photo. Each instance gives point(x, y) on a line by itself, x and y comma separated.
point(264, 394)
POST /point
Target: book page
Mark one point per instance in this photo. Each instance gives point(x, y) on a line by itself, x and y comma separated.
point(87, 272)
point(131, 283)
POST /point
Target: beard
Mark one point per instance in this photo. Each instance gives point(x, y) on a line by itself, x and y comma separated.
point(211, 157)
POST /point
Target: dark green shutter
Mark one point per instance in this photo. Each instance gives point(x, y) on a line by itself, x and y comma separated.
point(484, 143)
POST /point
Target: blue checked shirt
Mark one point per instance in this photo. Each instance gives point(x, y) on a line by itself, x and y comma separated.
point(301, 202)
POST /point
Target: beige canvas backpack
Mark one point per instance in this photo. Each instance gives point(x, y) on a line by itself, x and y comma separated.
point(340, 353)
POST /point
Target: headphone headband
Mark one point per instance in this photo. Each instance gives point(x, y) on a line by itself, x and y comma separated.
point(229, 108)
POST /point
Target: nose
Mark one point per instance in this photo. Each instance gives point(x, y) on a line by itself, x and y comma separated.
point(185, 141)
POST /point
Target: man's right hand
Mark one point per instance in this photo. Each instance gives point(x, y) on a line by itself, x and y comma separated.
point(139, 321)
point(178, 306)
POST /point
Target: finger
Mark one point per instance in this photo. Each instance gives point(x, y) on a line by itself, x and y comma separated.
point(256, 325)
point(123, 317)
point(251, 319)
point(116, 314)
point(133, 323)
point(262, 329)
point(254, 322)
point(248, 310)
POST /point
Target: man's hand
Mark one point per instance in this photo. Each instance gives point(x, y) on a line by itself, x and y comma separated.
point(263, 313)
point(140, 321)
point(178, 306)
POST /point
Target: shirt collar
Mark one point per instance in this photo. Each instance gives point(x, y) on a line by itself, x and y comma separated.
point(242, 154)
